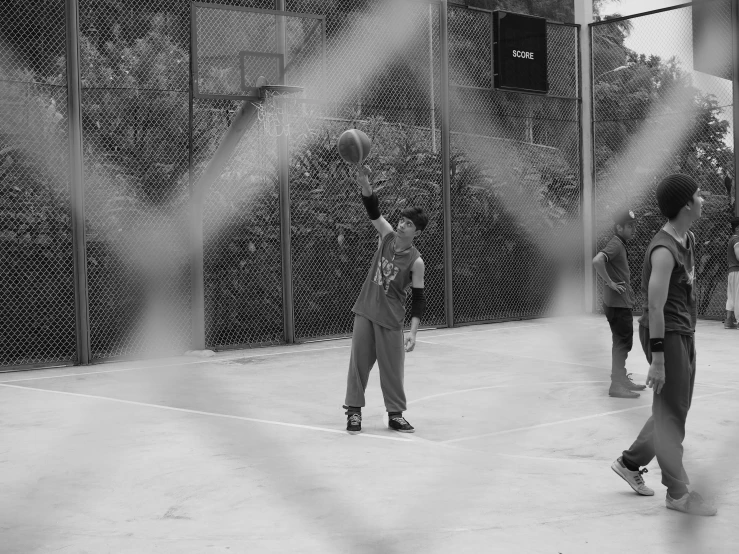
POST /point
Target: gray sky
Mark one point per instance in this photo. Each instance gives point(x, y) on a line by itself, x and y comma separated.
point(667, 35)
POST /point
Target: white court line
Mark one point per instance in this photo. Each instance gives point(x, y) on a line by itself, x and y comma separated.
point(213, 414)
point(162, 366)
point(571, 420)
point(462, 391)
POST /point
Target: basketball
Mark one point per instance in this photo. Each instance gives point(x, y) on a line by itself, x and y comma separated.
point(354, 146)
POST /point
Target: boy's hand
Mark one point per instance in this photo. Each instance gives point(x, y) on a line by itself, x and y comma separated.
point(363, 174)
point(656, 375)
point(618, 287)
point(410, 342)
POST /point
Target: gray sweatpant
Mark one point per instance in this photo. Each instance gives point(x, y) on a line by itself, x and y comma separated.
point(663, 433)
point(370, 343)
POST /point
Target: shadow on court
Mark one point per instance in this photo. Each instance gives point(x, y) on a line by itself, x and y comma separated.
point(245, 451)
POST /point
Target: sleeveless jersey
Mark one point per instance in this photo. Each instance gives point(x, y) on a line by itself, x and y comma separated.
point(383, 295)
point(731, 261)
point(681, 309)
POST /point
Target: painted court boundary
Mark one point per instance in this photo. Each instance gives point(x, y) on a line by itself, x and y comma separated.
point(442, 444)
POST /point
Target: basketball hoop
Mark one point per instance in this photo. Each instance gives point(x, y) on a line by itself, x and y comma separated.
point(277, 103)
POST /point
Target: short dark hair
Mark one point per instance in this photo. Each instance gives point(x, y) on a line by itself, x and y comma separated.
point(734, 223)
point(416, 215)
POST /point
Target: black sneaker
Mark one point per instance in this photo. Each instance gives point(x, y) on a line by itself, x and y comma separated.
point(398, 423)
point(619, 390)
point(630, 385)
point(353, 421)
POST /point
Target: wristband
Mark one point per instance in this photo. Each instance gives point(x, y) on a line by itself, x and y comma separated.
point(418, 303)
point(372, 205)
point(657, 345)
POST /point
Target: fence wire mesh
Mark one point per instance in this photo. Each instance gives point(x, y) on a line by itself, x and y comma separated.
point(386, 89)
point(37, 318)
point(370, 65)
point(654, 114)
point(134, 73)
point(515, 182)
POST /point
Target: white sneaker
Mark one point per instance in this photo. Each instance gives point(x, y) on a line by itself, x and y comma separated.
point(633, 478)
point(691, 503)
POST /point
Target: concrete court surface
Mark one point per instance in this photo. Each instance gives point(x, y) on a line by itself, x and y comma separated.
point(246, 451)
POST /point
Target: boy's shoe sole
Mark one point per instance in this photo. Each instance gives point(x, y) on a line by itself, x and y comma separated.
point(401, 425)
point(402, 430)
point(620, 471)
point(622, 392)
point(691, 504)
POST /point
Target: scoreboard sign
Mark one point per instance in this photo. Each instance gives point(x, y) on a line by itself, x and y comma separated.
point(520, 52)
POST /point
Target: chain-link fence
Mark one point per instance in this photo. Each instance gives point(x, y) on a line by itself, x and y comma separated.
point(655, 114)
point(37, 314)
point(516, 179)
point(149, 132)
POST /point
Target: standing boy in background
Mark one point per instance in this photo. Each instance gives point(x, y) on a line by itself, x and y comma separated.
point(380, 312)
point(612, 265)
point(732, 286)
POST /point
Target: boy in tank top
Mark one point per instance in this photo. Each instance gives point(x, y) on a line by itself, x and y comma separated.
point(379, 312)
point(612, 264)
point(666, 331)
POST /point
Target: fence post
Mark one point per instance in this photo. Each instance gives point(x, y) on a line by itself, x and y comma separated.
point(584, 17)
point(735, 106)
point(197, 249)
point(446, 162)
point(77, 184)
point(283, 161)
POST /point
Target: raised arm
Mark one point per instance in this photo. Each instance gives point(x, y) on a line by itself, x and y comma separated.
point(371, 203)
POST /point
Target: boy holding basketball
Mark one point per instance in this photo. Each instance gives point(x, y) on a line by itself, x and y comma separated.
point(666, 331)
point(612, 265)
point(379, 312)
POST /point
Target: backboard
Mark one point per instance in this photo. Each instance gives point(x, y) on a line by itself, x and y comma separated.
point(232, 46)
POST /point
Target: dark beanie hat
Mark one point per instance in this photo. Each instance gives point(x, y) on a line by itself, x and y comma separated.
point(673, 192)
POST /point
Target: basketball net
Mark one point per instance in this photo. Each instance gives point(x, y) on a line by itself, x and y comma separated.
point(275, 111)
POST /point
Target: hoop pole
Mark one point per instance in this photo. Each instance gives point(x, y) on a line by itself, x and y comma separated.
point(431, 78)
point(283, 160)
point(584, 16)
point(197, 251)
point(77, 186)
point(446, 153)
point(735, 91)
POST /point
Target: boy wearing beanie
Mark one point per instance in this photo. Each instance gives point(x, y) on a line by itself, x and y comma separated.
point(666, 331)
point(612, 265)
point(732, 286)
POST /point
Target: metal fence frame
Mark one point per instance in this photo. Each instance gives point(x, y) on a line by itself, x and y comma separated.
point(77, 185)
point(734, 6)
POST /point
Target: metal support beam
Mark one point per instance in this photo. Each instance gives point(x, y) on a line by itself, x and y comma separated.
point(77, 185)
point(283, 169)
point(735, 107)
point(584, 17)
point(446, 166)
point(197, 257)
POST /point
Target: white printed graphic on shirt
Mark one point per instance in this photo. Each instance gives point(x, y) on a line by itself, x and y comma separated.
point(385, 274)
